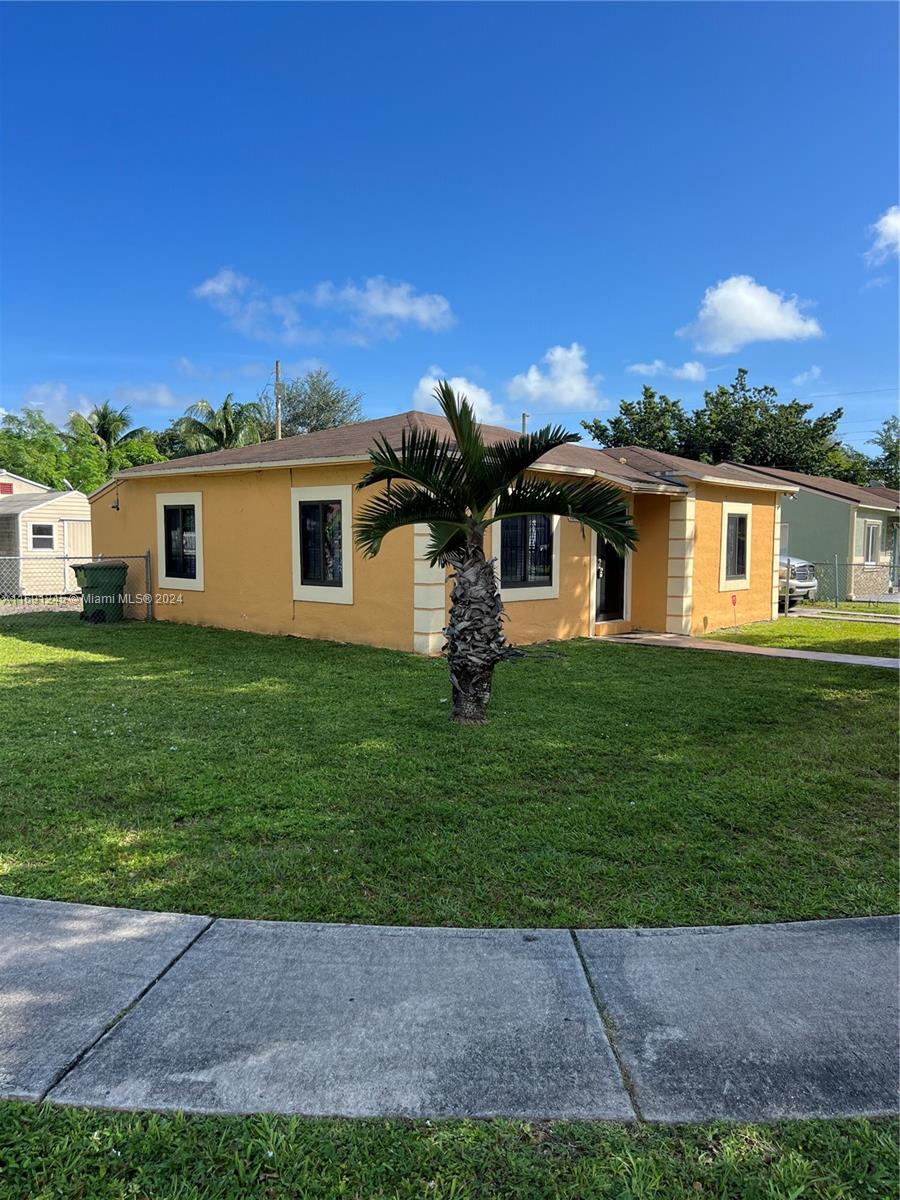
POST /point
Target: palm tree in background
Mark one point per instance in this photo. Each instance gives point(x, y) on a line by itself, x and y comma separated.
point(206, 428)
point(459, 487)
point(106, 426)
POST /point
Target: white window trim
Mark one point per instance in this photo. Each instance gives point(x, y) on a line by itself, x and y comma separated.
point(735, 585)
point(342, 492)
point(510, 594)
point(41, 549)
point(876, 525)
point(169, 581)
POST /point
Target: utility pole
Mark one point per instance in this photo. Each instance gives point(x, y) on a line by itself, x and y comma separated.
point(525, 417)
point(277, 400)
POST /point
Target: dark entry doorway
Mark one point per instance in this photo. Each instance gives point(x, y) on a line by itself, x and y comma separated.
point(610, 583)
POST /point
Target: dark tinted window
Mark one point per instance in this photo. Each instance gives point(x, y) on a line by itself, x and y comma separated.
point(181, 541)
point(736, 547)
point(42, 537)
point(320, 543)
point(526, 551)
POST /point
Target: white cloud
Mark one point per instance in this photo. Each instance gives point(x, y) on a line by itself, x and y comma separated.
point(738, 311)
point(149, 395)
point(694, 371)
point(877, 281)
point(376, 309)
point(564, 383)
point(657, 367)
point(252, 311)
point(292, 370)
point(387, 305)
point(186, 366)
point(480, 398)
point(56, 401)
point(222, 288)
point(886, 235)
point(809, 376)
point(193, 370)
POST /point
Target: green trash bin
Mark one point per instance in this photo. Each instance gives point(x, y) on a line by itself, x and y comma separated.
point(102, 585)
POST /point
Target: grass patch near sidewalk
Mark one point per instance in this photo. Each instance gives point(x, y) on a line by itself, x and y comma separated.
point(50, 1153)
point(825, 635)
point(887, 608)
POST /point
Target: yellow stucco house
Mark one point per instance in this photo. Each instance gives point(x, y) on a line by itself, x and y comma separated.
point(261, 538)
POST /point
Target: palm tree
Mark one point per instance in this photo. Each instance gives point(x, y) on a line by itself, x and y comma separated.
point(206, 428)
point(459, 487)
point(106, 426)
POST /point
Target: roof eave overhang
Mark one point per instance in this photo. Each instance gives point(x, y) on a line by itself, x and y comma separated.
point(229, 468)
point(103, 488)
point(875, 507)
point(39, 503)
point(22, 479)
point(773, 485)
point(628, 485)
point(854, 503)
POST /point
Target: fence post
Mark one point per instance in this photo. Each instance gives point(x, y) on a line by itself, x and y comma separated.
point(149, 577)
point(837, 603)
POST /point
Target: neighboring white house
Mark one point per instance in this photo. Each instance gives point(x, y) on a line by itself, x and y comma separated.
point(42, 533)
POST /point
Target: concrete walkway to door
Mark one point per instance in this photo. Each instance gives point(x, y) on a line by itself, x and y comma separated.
point(125, 1009)
point(675, 641)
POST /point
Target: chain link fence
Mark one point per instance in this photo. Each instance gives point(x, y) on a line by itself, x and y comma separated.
point(836, 584)
point(42, 589)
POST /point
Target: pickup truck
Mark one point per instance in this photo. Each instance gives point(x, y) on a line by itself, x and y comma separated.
point(802, 583)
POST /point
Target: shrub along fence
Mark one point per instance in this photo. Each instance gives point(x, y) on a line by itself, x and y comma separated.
point(40, 589)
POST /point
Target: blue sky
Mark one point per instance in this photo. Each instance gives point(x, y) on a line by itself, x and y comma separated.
point(554, 203)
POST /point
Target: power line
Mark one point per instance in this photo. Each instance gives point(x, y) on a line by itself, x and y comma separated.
point(863, 392)
point(870, 420)
point(860, 429)
point(268, 381)
point(591, 414)
point(569, 412)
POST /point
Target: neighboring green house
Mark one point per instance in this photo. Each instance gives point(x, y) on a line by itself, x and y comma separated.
point(828, 521)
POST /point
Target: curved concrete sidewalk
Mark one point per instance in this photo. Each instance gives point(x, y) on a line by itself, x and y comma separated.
point(675, 641)
point(127, 1009)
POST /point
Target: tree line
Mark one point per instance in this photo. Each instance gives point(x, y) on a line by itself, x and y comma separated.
point(92, 447)
point(738, 423)
point(748, 425)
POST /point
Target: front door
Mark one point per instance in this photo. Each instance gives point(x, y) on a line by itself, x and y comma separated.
point(610, 583)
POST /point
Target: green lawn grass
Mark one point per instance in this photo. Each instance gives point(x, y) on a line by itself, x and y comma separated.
point(887, 608)
point(826, 635)
point(170, 767)
point(56, 1154)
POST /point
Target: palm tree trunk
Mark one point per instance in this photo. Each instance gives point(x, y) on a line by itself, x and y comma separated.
point(475, 641)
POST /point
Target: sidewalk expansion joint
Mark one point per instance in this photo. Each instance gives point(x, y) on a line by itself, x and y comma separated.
point(108, 1028)
point(609, 1029)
